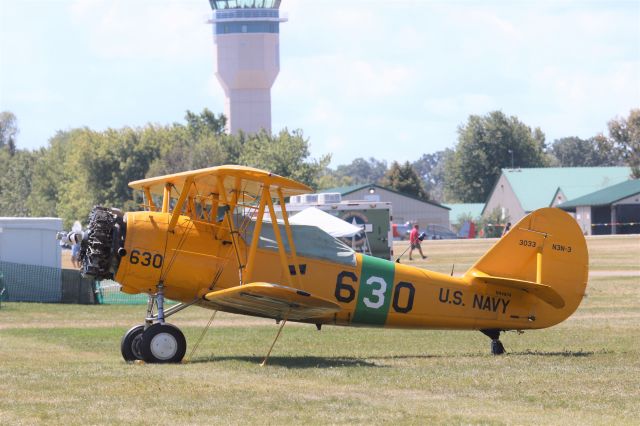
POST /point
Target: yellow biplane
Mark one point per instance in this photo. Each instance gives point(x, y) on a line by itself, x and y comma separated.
point(211, 238)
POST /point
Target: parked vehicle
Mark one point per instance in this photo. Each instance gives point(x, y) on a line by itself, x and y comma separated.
point(439, 232)
point(401, 231)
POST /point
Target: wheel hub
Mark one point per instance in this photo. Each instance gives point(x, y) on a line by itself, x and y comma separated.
point(164, 346)
point(135, 346)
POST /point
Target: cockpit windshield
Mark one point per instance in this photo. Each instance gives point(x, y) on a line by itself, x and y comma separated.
point(310, 241)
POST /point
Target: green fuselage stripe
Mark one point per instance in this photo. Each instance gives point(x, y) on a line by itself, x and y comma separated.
point(375, 291)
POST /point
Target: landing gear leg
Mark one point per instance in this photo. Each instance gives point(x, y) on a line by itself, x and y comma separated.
point(161, 342)
point(156, 341)
point(496, 345)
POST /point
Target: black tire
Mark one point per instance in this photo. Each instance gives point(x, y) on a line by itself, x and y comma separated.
point(130, 345)
point(163, 343)
point(496, 347)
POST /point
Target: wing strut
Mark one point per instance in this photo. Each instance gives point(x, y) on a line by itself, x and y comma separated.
point(147, 193)
point(292, 246)
point(256, 234)
point(230, 207)
point(177, 209)
point(276, 231)
point(165, 197)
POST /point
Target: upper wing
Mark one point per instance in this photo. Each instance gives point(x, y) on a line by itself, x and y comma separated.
point(271, 301)
point(233, 178)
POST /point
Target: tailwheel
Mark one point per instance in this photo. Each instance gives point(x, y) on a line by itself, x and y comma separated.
point(130, 345)
point(496, 345)
point(163, 343)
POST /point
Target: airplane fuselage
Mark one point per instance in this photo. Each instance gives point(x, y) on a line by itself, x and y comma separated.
point(371, 292)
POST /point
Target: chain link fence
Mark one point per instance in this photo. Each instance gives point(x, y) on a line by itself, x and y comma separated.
point(33, 283)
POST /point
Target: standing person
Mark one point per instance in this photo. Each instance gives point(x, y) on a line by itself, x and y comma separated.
point(506, 229)
point(414, 240)
point(75, 251)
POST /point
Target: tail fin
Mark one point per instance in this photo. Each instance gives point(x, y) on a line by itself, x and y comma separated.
point(545, 254)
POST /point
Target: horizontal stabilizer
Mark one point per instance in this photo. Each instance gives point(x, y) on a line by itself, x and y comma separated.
point(271, 301)
point(542, 291)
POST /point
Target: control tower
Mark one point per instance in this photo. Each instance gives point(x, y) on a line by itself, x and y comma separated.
point(246, 36)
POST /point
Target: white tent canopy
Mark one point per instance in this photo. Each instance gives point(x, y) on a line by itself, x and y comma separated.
point(330, 224)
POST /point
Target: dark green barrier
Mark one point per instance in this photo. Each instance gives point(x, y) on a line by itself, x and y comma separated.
point(76, 289)
point(31, 283)
point(2, 289)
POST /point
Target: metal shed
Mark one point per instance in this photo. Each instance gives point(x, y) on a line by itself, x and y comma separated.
point(612, 210)
point(30, 258)
point(30, 240)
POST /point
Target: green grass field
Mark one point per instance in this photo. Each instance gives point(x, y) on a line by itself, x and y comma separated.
point(61, 364)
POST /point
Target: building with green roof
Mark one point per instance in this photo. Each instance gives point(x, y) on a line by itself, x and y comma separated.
point(612, 210)
point(406, 208)
point(521, 191)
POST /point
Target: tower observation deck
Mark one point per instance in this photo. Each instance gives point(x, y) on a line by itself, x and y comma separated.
point(246, 37)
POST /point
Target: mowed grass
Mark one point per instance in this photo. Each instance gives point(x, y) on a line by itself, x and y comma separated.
point(61, 364)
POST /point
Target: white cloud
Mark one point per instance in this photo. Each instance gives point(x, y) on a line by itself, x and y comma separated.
point(460, 105)
point(170, 29)
point(348, 78)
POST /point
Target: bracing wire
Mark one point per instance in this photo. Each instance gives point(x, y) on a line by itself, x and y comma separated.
point(204, 331)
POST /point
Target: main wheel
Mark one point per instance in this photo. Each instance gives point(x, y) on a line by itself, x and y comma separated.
point(163, 343)
point(130, 345)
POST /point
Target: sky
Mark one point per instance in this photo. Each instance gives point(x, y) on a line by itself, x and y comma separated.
point(362, 78)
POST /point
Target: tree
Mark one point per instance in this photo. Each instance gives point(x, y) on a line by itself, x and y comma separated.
point(81, 167)
point(485, 146)
point(493, 223)
point(8, 131)
point(359, 171)
point(329, 179)
point(286, 155)
point(363, 171)
point(15, 182)
point(624, 134)
point(593, 152)
point(47, 176)
point(430, 168)
point(204, 122)
point(403, 178)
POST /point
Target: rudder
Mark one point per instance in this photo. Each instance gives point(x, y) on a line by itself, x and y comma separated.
point(545, 254)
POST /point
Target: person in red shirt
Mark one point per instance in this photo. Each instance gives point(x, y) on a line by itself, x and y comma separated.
point(414, 240)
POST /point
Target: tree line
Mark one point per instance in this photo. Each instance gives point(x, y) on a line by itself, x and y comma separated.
point(486, 145)
point(82, 167)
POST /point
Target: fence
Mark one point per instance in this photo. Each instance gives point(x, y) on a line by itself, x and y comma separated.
point(33, 283)
point(2, 289)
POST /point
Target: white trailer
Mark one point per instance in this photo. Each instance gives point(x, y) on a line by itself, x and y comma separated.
point(30, 240)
